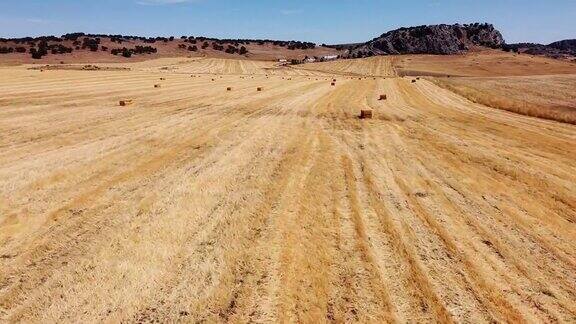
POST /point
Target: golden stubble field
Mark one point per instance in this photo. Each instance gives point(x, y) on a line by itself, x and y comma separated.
point(200, 204)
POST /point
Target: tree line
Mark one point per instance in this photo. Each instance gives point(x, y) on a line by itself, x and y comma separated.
point(44, 45)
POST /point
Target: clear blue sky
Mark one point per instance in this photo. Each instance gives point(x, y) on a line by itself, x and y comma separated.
point(335, 21)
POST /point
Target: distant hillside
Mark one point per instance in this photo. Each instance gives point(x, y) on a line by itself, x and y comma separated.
point(565, 45)
point(80, 47)
point(434, 39)
point(565, 49)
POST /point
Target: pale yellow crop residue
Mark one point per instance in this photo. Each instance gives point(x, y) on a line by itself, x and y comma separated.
point(199, 204)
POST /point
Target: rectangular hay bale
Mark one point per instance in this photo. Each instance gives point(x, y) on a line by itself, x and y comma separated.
point(126, 102)
point(365, 114)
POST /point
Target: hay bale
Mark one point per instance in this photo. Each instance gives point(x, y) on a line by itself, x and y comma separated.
point(126, 102)
point(333, 84)
point(259, 89)
point(229, 89)
point(157, 86)
point(383, 97)
point(162, 79)
point(365, 114)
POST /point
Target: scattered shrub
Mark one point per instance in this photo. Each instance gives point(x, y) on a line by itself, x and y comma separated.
point(138, 50)
point(38, 53)
point(231, 49)
point(6, 50)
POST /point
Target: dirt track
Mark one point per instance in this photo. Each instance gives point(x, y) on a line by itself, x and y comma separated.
point(200, 204)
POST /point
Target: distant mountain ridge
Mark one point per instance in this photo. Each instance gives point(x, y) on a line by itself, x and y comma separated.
point(567, 45)
point(433, 39)
point(440, 39)
point(564, 49)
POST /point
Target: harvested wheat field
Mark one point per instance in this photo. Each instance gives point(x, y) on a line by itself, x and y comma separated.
point(199, 204)
point(374, 66)
point(219, 66)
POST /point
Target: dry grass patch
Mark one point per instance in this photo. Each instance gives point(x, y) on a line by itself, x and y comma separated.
point(548, 97)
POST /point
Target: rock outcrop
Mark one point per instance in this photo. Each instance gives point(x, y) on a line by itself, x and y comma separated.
point(434, 39)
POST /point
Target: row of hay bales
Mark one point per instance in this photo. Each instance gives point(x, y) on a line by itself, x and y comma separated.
point(368, 113)
point(128, 102)
point(364, 114)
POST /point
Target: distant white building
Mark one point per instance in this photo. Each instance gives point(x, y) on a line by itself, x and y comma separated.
point(310, 60)
point(330, 57)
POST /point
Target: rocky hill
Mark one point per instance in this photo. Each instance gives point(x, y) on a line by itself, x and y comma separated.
point(434, 39)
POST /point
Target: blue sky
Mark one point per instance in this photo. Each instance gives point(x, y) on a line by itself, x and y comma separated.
point(336, 21)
